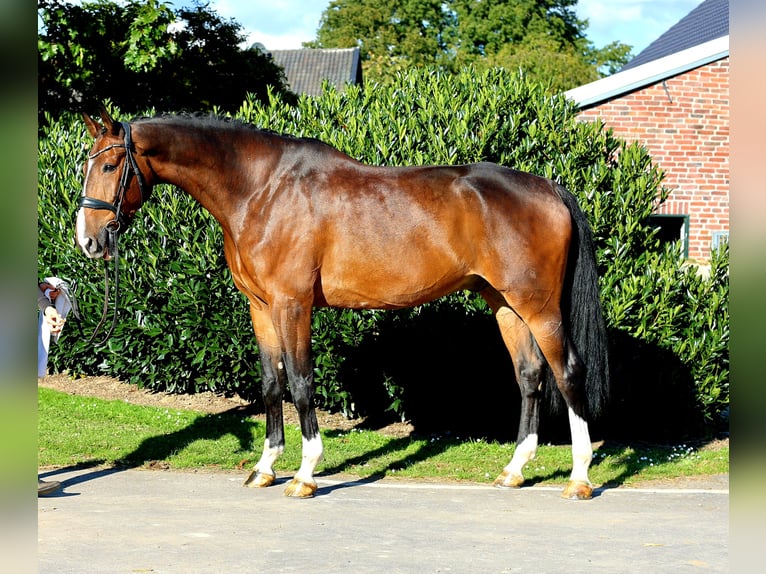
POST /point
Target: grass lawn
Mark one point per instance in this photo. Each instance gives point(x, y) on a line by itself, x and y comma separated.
point(76, 430)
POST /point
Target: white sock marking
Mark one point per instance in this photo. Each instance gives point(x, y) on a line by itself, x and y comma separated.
point(525, 451)
point(312, 454)
point(268, 458)
point(582, 451)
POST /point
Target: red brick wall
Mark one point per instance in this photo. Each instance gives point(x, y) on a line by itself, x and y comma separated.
point(685, 126)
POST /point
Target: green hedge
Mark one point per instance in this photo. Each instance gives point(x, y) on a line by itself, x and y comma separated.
point(184, 328)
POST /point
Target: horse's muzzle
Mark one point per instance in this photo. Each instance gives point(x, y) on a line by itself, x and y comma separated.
point(101, 246)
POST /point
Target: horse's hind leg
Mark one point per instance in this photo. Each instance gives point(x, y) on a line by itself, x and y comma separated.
point(528, 364)
point(272, 388)
point(572, 386)
point(569, 372)
point(542, 335)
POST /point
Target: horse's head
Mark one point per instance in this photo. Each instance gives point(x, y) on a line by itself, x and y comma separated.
point(114, 186)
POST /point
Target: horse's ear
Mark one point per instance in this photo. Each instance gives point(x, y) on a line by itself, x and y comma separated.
point(109, 124)
point(94, 128)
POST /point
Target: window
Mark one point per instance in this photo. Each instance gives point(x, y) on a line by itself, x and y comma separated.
point(672, 228)
point(719, 238)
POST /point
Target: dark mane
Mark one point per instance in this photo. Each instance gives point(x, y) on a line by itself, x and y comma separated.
point(208, 120)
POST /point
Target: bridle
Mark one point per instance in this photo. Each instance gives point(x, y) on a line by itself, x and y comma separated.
point(118, 224)
point(129, 168)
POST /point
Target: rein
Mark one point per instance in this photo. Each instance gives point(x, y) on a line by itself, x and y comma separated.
point(113, 232)
point(116, 226)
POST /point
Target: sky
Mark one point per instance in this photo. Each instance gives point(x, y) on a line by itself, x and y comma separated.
point(285, 24)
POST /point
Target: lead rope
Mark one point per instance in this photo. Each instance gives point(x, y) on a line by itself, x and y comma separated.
point(116, 256)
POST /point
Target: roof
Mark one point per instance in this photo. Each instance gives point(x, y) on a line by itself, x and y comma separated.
point(650, 73)
point(306, 69)
point(708, 21)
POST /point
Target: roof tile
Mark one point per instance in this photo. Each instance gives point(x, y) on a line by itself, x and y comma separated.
point(306, 69)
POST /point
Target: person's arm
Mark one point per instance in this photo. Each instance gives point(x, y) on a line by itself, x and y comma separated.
point(51, 314)
point(42, 301)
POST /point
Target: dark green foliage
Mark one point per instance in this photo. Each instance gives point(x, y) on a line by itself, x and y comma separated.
point(671, 351)
point(183, 327)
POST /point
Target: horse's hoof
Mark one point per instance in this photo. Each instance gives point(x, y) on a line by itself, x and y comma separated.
point(299, 489)
point(578, 490)
point(257, 479)
point(508, 480)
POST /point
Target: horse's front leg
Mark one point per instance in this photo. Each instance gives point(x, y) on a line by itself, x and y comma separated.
point(272, 387)
point(528, 365)
point(293, 321)
point(526, 442)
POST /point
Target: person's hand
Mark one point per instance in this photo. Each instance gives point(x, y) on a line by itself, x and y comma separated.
point(50, 291)
point(54, 319)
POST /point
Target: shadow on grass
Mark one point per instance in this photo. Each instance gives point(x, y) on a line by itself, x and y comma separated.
point(633, 458)
point(205, 427)
point(397, 448)
point(154, 451)
point(636, 456)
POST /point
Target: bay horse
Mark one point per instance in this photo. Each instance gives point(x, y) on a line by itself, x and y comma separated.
point(305, 225)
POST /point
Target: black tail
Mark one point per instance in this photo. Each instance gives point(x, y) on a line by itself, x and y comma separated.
point(581, 308)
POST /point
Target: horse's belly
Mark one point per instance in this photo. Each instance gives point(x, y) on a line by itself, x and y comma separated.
point(388, 291)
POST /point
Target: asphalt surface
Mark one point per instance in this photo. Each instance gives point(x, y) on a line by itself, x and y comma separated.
point(187, 522)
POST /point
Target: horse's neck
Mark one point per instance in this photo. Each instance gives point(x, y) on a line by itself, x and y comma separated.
point(194, 160)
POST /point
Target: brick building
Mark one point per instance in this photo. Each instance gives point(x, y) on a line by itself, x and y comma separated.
point(673, 98)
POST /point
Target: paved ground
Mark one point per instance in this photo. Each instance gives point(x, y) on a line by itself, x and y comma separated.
point(167, 522)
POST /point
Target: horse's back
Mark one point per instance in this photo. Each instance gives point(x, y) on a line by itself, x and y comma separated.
point(392, 237)
point(467, 208)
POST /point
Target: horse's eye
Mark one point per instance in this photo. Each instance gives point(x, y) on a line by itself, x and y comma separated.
point(109, 168)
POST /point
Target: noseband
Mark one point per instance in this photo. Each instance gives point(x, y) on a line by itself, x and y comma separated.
point(118, 224)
